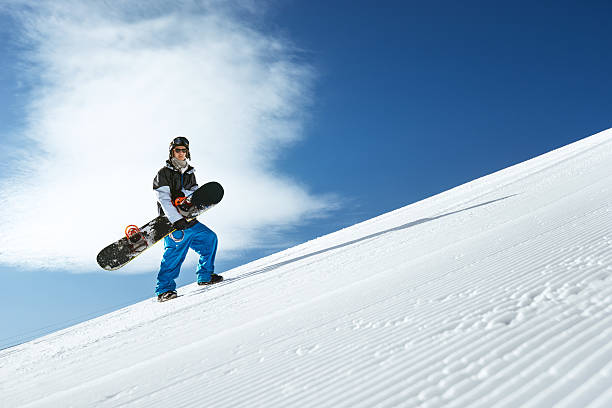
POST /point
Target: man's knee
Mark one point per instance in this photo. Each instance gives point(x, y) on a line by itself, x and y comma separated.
point(213, 236)
point(205, 237)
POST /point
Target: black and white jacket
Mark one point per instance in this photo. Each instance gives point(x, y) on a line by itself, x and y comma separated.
point(171, 183)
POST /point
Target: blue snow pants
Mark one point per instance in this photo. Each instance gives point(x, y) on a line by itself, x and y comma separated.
point(202, 240)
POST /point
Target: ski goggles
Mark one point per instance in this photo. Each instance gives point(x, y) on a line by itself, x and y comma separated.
point(180, 141)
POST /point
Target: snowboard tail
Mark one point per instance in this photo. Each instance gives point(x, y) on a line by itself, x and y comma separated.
point(137, 240)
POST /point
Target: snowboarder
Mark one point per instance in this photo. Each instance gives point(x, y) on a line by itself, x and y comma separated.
point(175, 180)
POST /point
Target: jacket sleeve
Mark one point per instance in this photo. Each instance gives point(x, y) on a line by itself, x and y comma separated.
point(162, 192)
point(193, 189)
point(193, 185)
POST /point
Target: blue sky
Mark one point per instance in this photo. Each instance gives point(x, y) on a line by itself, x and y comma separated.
point(397, 101)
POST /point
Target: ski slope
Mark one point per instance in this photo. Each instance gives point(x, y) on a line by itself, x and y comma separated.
point(497, 293)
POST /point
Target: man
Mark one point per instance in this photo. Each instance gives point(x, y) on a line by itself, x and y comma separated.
point(177, 179)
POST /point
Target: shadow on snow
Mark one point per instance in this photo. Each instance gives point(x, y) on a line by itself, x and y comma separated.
point(345, 244)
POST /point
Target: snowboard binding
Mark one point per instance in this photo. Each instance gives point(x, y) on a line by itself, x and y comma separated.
point(184, 206)
point(135, 238)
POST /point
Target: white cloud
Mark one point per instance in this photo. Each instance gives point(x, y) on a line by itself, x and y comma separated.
point(114, 83)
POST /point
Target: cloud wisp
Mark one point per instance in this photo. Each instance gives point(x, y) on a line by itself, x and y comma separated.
point(110, 86)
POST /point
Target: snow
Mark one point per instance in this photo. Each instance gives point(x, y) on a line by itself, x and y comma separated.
point(495, 293)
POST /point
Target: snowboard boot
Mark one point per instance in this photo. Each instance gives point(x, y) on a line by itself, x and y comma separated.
point(214, 278)
point(166, 296)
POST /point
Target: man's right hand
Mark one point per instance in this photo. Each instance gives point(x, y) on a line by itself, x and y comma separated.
point(181, 224)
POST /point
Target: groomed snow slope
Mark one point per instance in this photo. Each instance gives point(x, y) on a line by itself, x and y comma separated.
point(497, 293)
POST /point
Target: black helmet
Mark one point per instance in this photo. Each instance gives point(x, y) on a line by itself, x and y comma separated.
point(179, 141)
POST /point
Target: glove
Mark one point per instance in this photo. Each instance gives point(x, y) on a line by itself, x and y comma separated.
point(182, 205)
point(181, 224)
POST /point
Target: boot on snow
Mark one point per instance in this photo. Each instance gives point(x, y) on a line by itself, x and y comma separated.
point(166, 296)
point(214, 278)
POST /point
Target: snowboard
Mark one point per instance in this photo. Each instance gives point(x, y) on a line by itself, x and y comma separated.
point(137, 240)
